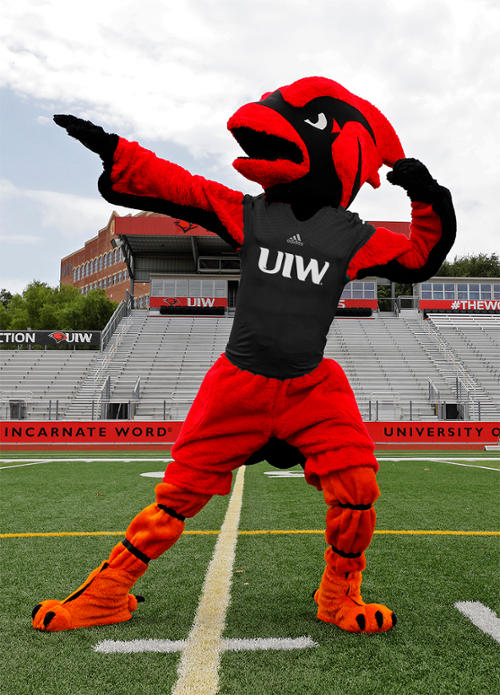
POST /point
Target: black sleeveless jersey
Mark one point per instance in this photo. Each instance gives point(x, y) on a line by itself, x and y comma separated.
point(292, 276)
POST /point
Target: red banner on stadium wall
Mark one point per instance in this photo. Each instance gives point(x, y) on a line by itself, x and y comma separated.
point(188, 301)
point(222, 301)
point(61, 432)
point(358, 304)
point(451, 433)
point(23, 434)
point(461, 304)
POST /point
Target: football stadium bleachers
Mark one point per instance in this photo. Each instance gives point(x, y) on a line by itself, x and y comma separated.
point(388, 361)
point(42, 380)
point(475, 340)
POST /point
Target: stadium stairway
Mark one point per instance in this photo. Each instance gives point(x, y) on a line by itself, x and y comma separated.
point(476, 339)
point(87, 402)
point(46, 381)
point(461, 345)
point(171, 356)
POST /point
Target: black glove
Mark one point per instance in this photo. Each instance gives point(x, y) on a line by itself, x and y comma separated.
point(415, 178)
point(92, 136)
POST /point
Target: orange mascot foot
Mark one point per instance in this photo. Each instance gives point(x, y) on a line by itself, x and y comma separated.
point(350, 521)
point(340, 603)
point(103, 599)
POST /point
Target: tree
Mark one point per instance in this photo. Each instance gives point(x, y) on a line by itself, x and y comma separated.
point(5, 297)
point(481, 265)
point(41, 307)
point(384, 291)
point(4, 318)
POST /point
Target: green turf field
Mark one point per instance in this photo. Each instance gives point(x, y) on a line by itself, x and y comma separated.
point(434, 649)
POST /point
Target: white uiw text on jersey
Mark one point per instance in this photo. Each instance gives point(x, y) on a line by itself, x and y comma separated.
point(285, 262)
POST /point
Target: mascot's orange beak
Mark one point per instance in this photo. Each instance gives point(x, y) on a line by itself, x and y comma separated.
point(275, 152)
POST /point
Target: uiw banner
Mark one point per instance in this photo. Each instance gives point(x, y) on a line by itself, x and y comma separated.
point(188, 301)
point(50, 337)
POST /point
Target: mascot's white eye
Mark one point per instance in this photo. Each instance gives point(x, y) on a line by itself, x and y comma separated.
point(320, 123)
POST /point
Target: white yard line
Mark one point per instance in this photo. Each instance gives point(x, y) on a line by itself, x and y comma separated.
point(31, 463)
point(438, 458)
point(199, 665)
point(446, 460)
point(466, 465)
point(35, 462)
point(481, 616)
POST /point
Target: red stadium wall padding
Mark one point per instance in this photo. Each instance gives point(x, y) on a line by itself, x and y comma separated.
point(136, 434)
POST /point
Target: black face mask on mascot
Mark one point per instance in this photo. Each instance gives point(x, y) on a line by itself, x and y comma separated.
point(313, 144)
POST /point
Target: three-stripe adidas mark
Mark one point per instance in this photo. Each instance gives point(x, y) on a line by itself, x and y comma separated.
point(295, 239)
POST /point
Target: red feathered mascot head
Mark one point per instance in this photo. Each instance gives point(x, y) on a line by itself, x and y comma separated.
point(313, 143)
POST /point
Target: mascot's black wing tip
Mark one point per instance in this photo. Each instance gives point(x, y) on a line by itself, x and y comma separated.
point(64, 120)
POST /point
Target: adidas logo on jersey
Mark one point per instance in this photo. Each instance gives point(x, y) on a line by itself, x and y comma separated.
point(295, 239)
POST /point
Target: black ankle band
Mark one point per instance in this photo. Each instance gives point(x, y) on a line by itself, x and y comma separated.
point(357, 507)
point(350, 556)
point(135, 551)
point(172, 512)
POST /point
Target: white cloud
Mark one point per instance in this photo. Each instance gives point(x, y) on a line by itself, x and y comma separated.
point(22, 239)
point(175, 72)
point(14, 285)
point(69, 215)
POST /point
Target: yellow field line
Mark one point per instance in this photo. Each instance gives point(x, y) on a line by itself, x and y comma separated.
point(251, 533)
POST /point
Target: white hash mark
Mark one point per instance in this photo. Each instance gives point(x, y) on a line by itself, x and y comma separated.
point(482, 617)
point(138, 646)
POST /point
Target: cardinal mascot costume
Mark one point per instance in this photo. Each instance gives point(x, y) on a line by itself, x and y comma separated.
point(272, 396)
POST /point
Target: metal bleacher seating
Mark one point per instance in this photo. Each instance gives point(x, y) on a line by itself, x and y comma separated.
point(385, 364)
point(45, 381)
point(476, 341)
point(172, 355)
point(384, 361)
point(388, 361)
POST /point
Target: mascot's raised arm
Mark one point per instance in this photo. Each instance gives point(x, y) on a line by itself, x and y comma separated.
point(311, 146)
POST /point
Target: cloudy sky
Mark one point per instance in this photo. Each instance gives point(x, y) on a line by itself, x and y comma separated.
point(169, 73)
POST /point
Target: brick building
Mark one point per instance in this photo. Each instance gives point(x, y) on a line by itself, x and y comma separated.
point(101, 265)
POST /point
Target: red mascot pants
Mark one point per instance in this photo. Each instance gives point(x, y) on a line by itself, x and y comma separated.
point(236, 412)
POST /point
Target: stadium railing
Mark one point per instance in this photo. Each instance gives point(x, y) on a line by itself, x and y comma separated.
point(381, 408)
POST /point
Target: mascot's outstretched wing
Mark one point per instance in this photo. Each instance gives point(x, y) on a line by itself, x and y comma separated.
point(134, 177)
